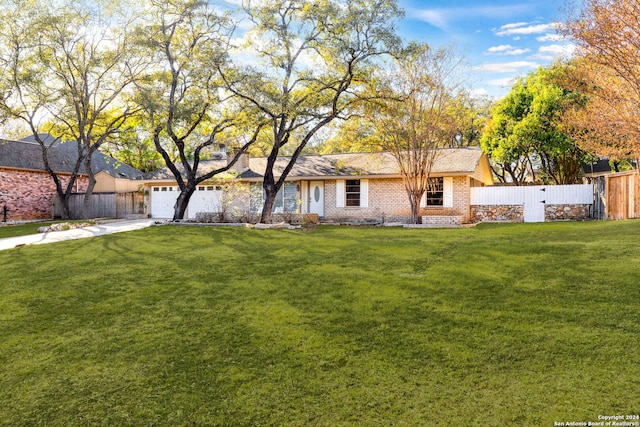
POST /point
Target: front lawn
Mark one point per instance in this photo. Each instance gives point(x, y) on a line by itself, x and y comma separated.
point(500, 325)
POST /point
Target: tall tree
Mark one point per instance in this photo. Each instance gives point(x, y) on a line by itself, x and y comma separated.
point(66, 65)
point(185, 108)
point(607, 33)
point(313, 56)
point(527, 124)
point(414, 116)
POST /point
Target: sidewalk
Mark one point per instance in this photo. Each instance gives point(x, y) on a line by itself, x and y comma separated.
point(76, 233)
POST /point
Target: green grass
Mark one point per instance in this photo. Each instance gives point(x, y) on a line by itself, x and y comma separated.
point(500, 325)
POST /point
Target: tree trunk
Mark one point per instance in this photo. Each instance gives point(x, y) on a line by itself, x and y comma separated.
point(64, 199)
point(414, 201)
point(86, 202)
point(270, 187)
point(270, 198)
point(182, 202)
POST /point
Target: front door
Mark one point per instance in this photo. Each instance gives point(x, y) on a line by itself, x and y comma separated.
point(316, 197)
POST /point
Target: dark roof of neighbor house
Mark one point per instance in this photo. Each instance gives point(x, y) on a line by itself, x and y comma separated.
point(449, 161)
point(27, 154)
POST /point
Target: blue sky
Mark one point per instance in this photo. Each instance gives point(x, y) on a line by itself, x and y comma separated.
point(501, 39)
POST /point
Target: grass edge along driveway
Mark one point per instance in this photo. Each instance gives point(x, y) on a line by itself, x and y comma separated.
point(510, 324)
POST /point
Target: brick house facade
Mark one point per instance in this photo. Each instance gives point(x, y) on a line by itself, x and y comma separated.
point(347, 188)
point(27, 190)
point(28, 195)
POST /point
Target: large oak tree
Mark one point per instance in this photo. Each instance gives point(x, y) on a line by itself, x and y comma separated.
point(186, 110)
point(312, 57)
point(65, 66)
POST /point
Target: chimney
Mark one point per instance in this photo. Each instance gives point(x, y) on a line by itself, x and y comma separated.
point(243, 161)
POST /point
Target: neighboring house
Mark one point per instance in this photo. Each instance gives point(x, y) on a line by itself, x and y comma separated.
point(27, 190)
point(336, 187)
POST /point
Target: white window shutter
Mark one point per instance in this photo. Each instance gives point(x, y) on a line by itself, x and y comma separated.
point(423, 200)
point(340, 190)
point(447, 190)
point(304, 197)
point(364, 193)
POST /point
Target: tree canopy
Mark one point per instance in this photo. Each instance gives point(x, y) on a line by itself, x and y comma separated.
point(525, 132)
point(186, 111)
point(607, 71)
point(312, 57)
point(412, 111)
point(65, 67)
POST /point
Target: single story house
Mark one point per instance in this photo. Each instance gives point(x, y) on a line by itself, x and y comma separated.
point(336, 187)
point(27, 190)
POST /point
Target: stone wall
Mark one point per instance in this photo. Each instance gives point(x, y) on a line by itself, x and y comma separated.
point(497, 213)
point(567, 212)
point(515, 213)
point(28, 195)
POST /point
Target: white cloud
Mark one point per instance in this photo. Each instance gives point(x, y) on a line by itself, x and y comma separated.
point(438, 18)
point(521, 28)
point(480, 92)
point(551, 38)
point(557, 49)
point(514, 25)
point(506, 67)
point(504, 82)
point(442, 17)
point(551, 52)
point(506, 49)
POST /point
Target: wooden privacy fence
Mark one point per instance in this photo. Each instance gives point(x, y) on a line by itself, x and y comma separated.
point(537, 203)
point(617, 196)
point(103, 205)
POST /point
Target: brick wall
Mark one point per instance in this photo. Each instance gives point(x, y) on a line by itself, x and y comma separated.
point(29, 195)
point(388, 199)
point(461, 200)
point(515, 213)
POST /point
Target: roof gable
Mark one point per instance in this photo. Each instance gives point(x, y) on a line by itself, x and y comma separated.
point(27, 154)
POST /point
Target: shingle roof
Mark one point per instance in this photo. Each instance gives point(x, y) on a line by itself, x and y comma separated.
point(461, 161)
point(27, 154)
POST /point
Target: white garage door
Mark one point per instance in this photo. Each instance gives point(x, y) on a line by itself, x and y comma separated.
point(207, 198)
point(163, 200)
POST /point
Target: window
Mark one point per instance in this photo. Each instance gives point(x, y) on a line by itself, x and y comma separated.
point(286, 199)
point(435, 192)
point(352, 192)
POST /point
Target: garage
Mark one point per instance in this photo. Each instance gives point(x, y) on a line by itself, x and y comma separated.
point(206, 198)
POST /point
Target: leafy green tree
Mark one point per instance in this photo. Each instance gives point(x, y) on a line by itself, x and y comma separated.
point(312, 57)
point(526, 130)
point(134, 146)
point(65, 66)
point(185, 110)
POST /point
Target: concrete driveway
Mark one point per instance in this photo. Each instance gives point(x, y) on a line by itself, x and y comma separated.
point(76, 233)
